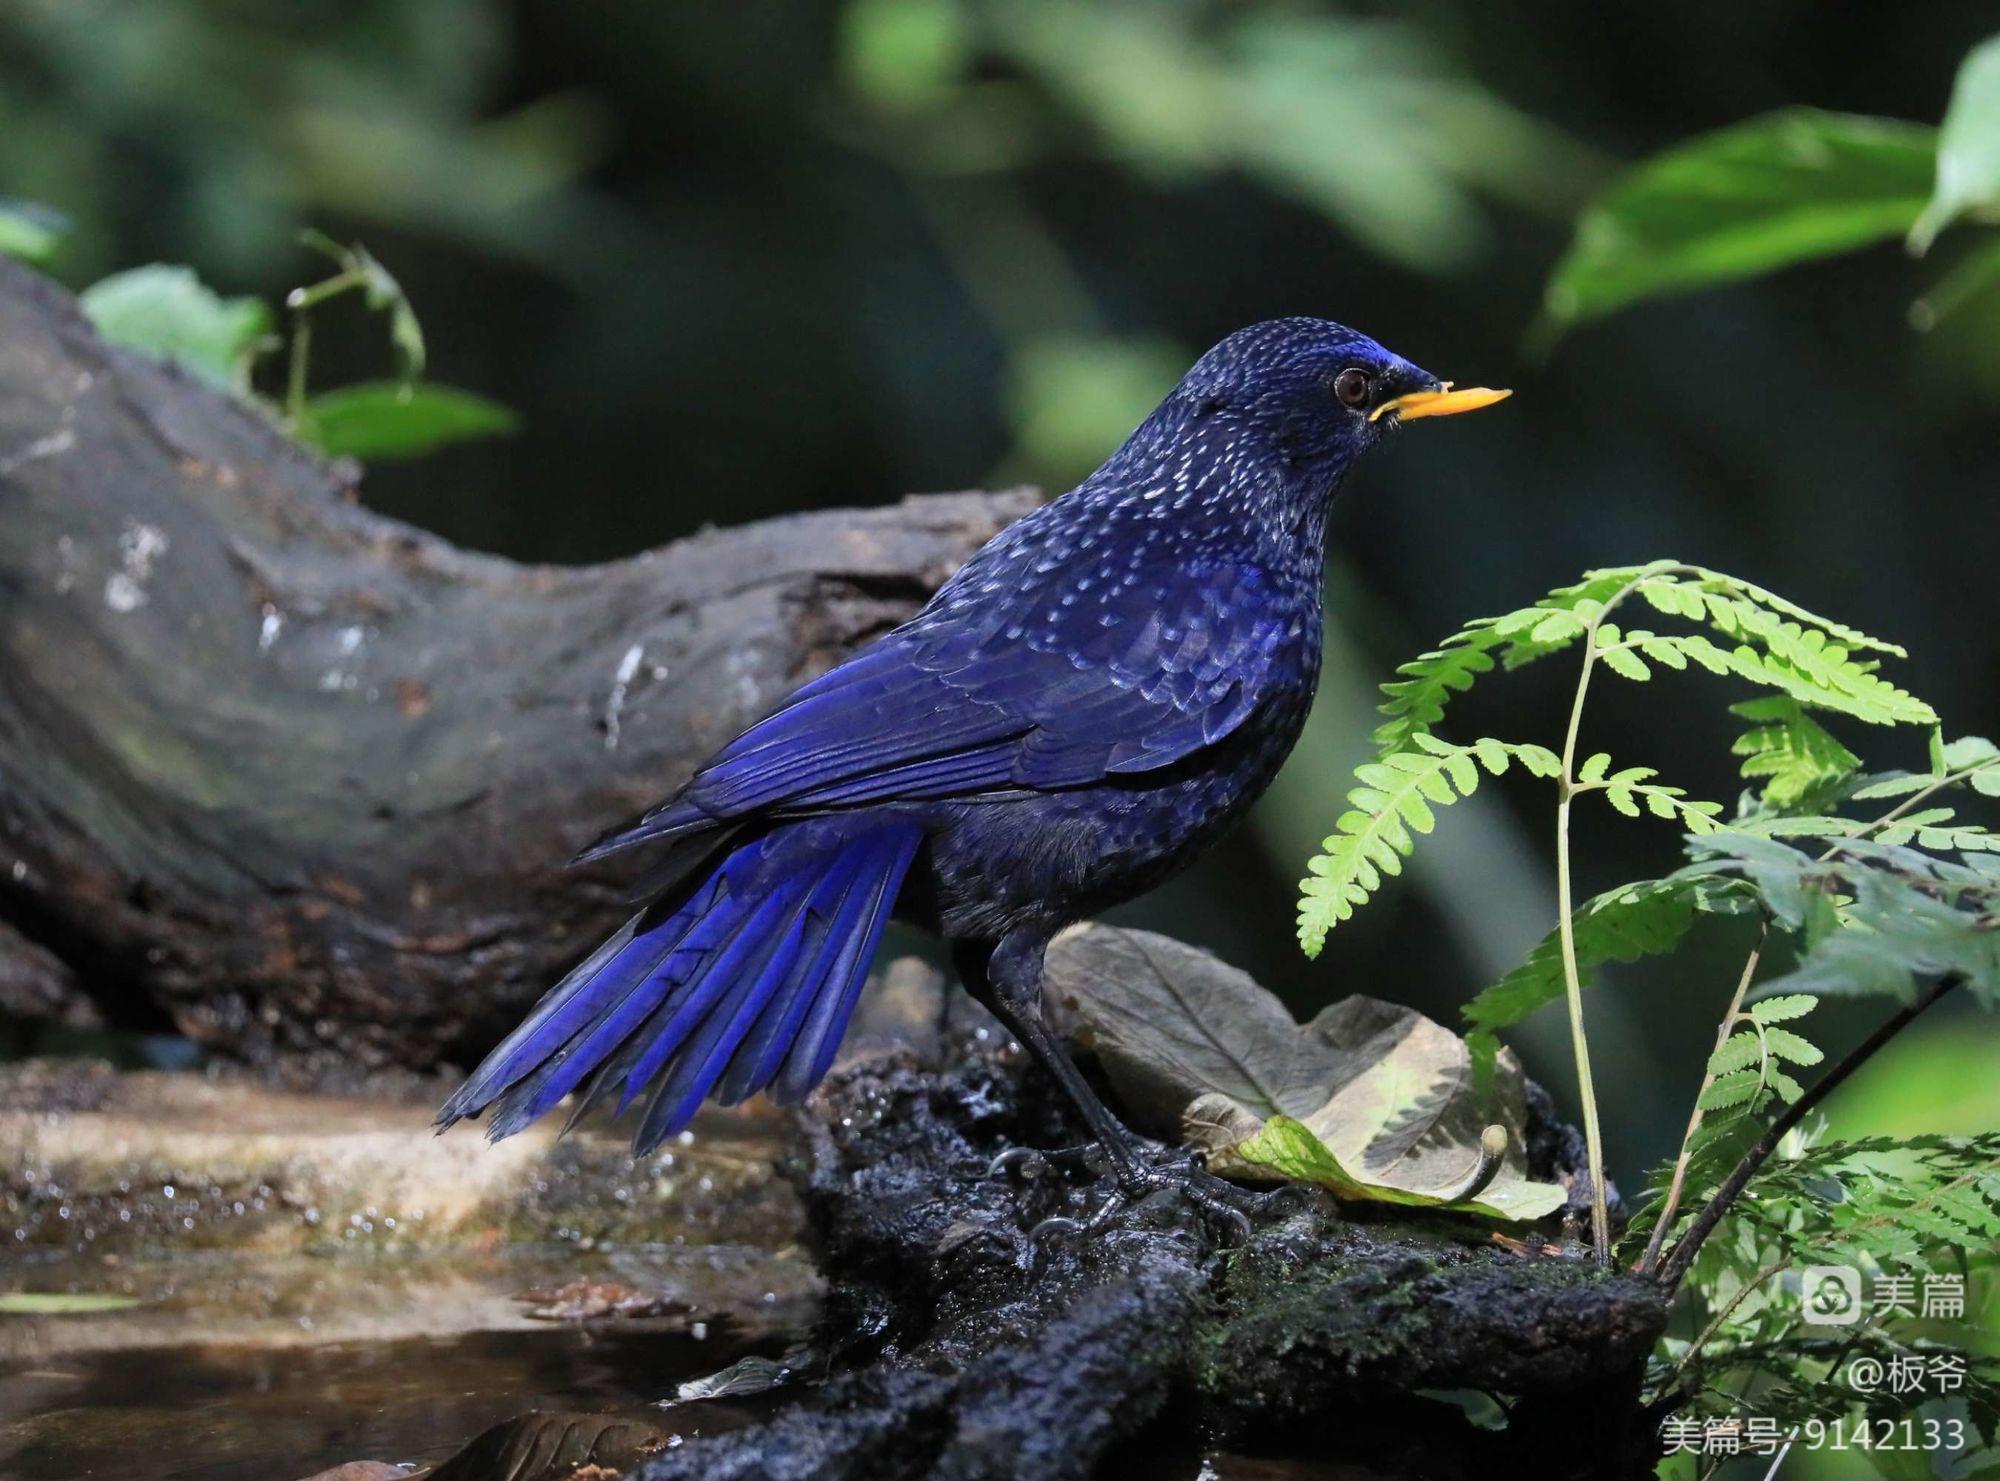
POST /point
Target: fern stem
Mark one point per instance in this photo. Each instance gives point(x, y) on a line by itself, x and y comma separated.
point(1651, 1259)
point(1676, 1264)
point(1566, 785)
point(1715, 1323)
point(295, 378)
point(1918, 799)
point(1600, 1212)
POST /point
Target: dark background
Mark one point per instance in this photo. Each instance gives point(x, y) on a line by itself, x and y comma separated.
point(733, 260)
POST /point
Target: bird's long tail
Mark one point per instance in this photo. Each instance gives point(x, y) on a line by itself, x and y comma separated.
point(741, 981)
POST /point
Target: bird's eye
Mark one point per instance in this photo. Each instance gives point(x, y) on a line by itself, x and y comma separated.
point(1353, 386)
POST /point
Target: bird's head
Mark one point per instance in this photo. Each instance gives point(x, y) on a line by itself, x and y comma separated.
point(1279, 411)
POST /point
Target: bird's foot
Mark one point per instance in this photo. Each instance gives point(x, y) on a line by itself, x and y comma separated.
point(1175, 1176)
point(1148, 1180)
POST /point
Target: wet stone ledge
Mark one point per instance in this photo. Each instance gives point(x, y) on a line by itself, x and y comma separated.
point(101, 1162)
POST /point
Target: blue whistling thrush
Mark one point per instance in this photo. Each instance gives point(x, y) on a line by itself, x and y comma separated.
point(1074, 717)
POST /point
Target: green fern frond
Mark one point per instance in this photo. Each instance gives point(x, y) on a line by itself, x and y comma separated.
point(1783, 1044)
point(1738, 1052)
point(1750, 1063)
point(1622, 925)
point(1933, 828)
point(1415, 702)
point(1393, 804)
point(1736, 1088)
point(1632, 792)
point(1971, 761)
point(1674, 587)
point(1783, 1009)
point(1773, 643)
point(1874, 918)
point(1792, 753)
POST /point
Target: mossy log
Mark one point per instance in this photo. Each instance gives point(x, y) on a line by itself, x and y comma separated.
point(295, 778)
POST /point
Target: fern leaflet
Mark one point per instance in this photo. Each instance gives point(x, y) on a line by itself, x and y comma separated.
point(1393, 804)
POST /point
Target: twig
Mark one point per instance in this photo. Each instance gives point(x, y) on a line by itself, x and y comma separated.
point(1676, 1264)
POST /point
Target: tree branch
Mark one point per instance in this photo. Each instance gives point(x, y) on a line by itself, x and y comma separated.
point(297, 777)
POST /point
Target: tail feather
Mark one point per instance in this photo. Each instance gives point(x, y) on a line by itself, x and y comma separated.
point(702, 1059)
point(595, 985)
point(784, 1007)
point(818, 1039)
point(763, 1049)
point(749, 978)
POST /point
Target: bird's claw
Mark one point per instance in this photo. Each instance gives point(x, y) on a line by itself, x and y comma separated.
point(1180, 1176)
point(1023, 1162)
point(1036, 1162)
point(1156, 1182)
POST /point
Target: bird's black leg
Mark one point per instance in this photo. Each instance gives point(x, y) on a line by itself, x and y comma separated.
point(1008, 980)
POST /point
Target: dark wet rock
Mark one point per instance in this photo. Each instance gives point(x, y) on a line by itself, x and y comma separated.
point(973, 1338)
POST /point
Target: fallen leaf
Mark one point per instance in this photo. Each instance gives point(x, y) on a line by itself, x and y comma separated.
point(1371, 1100)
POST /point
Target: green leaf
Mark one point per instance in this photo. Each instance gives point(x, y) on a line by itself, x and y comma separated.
point(1792, 752)
point(1741, 202)
point(1733, 1089)
point(1874, 918)
point(904, 54)
point(29, 231)
point(1785, 1044)
point(1292, 1150)
point(1626, 664)
point(167, 313)
point(389, 419)
point(1968, 147)
point(1775, 643)
point(62, 1303)
point(1370, 1098)
point(1390, 807)
point(1069, 395)
point(1781, 1010)
point(1738, 1052)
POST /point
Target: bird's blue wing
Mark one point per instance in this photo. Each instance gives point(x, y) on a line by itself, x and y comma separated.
point(1032, 695)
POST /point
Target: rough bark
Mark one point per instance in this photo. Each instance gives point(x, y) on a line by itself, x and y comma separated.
point(287, 774)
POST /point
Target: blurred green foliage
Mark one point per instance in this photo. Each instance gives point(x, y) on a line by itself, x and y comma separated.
point(398, 419)
point(170, 314)
point(1968, 156)
point(1742, 202)
point(1785, 188)
point(237, 123)
point(29, 231)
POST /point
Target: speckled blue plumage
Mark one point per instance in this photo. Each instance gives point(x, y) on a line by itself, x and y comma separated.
point(1077, 714)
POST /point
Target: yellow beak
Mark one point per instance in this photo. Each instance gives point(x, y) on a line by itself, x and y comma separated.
point(1444, 403)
